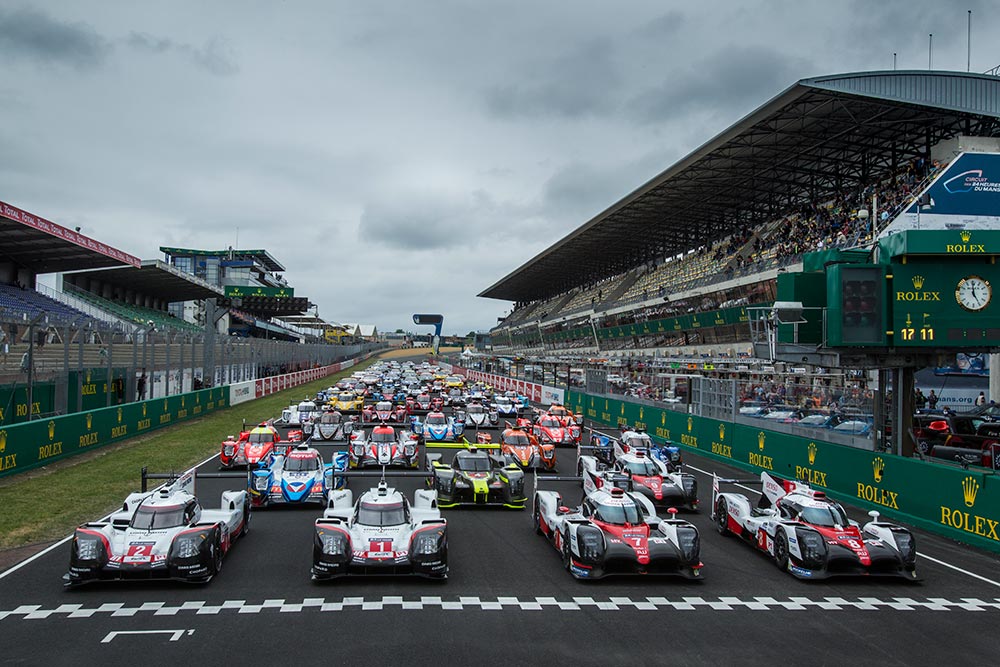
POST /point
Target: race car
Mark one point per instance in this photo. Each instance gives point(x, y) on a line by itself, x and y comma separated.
point(162, 534)
point(347, 402)
point(505, 406)
point(475, 414)
point(381, 534)
point(384, 446)
point(437, 428)
point(330, 426)
point(437, 404)
point(615, 531)
point(809, 534)
point(561, 413)
point(519, 446)
point(455, 398)
point(383, 411)
point(663, 484)
point(298, 414)
point(476, 478)
point(294, 476)
point(421, 404)
point(454, 381)
point(550, 430)
point(251, 448)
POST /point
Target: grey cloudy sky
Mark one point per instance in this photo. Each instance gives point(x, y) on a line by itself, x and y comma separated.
point(399, 157)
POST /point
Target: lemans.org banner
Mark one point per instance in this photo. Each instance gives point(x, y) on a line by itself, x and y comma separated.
point(538, 393)
point(965, 196)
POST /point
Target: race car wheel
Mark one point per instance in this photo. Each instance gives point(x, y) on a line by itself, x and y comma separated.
point(246, 517)
point(781, 550)
point(579, 471)
point(722, 516)
point(216, 558)
point(567, 557)
point(536, 518)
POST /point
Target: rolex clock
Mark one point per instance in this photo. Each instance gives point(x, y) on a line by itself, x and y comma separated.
point(973, 293)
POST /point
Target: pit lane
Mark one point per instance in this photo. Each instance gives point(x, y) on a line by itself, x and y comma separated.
point(507, 600)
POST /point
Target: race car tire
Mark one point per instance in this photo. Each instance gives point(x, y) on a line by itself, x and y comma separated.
point(216, 557)
point(567, 558)
point(536, 518)
point(781, 550)
point(246, 517)
point(579, 471)
point(722, 516)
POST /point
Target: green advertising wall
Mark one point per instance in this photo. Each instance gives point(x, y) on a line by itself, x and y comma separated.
point(95, 387)
point(38, 443)
point(14, 402)
point(956, 503)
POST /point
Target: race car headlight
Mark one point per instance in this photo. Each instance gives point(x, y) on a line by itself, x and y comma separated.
point(260, 483)
point(690, 487)
point(689, 543)
point(332, 542)
point(229, 450)
point(409, 448)
point(445, 484)
point(516, 486)
point(590, 542)
point(188, 545)
point(547, 453)
point(811, 546)
point(428, 542)
point(358, 450)
point(88, 548)
point(906, 544)
point(675, 455)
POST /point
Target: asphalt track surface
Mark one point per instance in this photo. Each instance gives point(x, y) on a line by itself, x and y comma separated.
point(507, 601)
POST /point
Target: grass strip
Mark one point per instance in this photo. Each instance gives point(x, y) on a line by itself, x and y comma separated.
point(48, 503)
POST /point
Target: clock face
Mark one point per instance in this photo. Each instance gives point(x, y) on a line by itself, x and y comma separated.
point(973, 293)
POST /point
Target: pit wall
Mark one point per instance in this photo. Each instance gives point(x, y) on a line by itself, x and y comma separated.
point(960, 504)
point(38, 443)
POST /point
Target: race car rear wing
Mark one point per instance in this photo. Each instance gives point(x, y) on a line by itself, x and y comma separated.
point(462, 444)
point(172, 477)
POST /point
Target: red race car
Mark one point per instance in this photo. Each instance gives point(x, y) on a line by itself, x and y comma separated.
point(384, 411)
point(251, 447)
point(550, 429)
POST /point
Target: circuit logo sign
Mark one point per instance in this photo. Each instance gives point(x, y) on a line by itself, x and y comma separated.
point(971, 181)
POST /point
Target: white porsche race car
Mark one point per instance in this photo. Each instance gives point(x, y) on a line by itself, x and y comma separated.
point(382, 533)
point(162, 534)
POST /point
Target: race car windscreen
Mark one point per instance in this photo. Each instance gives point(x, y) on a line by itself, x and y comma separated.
point(475, 409)
point(517, 439)
point(372, 514)
point(330, 418)
point(832, 515)
point(640, 441)
point(472, 463)
point(644, 468)
point(383, 406)
point(383, 436)
point(155, 518)
point(618, 514)
point(302, 463)
point(550, 422)
point(260, 438)
point(437, 420)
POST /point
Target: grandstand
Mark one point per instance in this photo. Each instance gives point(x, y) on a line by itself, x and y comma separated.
point(825, 164)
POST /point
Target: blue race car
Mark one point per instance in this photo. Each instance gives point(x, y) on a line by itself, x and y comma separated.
point(438, 428)
point(295, 476)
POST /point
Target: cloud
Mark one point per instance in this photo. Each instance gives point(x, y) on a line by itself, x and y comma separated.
point(740, 78)
point(215, 57)
point(578, 83)
point(35, 36)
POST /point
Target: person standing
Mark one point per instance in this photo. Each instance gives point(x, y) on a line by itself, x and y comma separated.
point(919, 400)
point(4, 345)
point(932, 400)
point(980, 400)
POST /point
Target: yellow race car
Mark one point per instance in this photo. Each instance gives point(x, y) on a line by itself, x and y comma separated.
point(347, 401)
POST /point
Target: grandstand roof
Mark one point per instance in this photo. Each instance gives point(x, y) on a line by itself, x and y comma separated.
point(259, 255)
point(818, 138)
point(45, 247)
point(155, 278)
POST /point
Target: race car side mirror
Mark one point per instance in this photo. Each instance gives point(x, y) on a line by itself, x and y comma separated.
point(563, 509)
point(874, 514)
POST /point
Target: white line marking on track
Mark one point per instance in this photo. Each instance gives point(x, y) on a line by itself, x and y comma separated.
point(919, 553)
point(66, 539)
point(175, 635)
point(425, 603)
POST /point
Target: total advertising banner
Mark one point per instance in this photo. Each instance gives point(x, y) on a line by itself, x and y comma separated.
point(38, 443)
point(966, 195)
point(241, 392)
point(960, 504)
